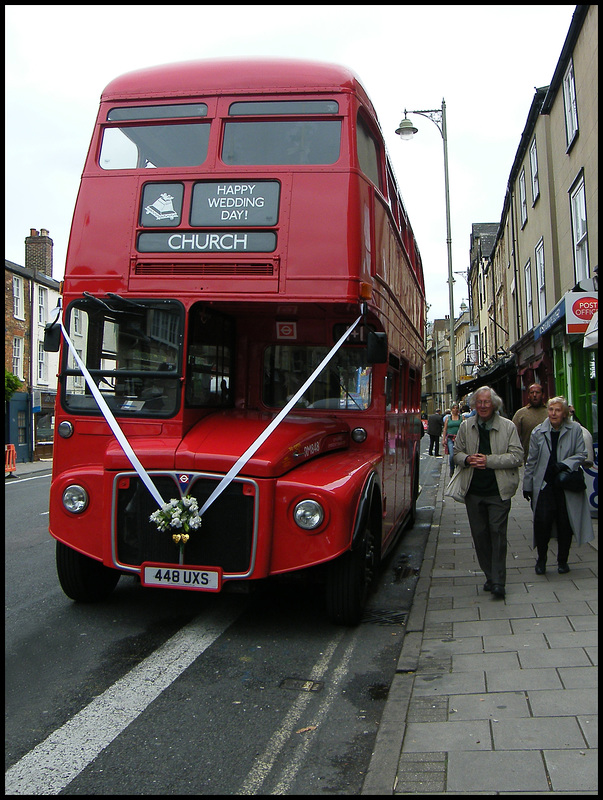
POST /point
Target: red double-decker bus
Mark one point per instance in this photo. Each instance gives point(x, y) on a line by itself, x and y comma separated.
point(235, 219)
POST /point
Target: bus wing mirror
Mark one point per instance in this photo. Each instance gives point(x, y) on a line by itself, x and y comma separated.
point(52, 337)
point(377, 347)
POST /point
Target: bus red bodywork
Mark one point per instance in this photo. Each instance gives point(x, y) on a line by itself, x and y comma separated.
point(234, 219)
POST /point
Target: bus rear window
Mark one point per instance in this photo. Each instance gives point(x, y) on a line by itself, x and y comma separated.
point(282, 142)
point(154, 146)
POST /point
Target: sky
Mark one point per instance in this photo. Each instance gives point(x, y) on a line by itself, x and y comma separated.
point(485, 61)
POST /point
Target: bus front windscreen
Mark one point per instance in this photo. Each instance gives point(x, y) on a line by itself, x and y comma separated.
point(132, 350)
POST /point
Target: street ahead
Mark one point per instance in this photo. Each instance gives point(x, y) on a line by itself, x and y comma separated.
point(168, 692)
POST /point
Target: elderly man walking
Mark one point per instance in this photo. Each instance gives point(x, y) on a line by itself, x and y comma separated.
point(488, 450)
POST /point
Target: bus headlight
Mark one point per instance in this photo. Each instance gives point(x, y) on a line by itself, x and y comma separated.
point(75, 499)
point(308, 514)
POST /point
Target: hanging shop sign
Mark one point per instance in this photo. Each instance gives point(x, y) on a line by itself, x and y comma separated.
point(580, 308)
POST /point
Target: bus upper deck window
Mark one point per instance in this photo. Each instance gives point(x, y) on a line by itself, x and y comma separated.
point(274, 107)
point(282, 142)
point(279, 141)
point(151, 145)
point(154, 146)
point(192, 110)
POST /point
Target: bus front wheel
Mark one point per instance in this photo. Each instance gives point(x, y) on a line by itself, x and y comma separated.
point(350, 579)
point(83, 579)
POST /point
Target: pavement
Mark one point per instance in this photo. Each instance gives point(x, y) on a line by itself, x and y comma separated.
point(493, 696)
point(489, 696)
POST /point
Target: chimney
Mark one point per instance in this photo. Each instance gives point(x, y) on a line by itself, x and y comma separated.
point(38, 252)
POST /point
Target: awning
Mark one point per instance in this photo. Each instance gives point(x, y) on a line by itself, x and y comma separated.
point(485, 377)
point(591, 334)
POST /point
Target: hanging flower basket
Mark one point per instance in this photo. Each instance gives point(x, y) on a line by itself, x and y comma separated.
point(178, 517)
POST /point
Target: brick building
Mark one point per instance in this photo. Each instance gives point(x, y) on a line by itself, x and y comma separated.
point(30, 294)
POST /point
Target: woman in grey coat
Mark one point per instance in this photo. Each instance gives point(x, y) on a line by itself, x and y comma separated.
point(556, 445)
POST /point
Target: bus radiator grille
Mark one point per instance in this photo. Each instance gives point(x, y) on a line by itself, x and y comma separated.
point(225, 538)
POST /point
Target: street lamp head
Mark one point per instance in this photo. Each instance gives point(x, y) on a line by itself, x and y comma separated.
point(406, 130)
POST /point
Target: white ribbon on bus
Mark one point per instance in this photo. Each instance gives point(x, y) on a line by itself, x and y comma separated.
point(238, 466)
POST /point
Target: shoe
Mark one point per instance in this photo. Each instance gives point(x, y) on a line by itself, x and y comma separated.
point(488, 586)
point(540, 567)
point(562, 568)
point(498, 590)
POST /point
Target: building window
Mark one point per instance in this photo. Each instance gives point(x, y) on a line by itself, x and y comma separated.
point(77, 322)
point(18, 307)
point(522, 197)
point(527, 271)
point(21, 427)
point(579, 230)
point(42, 366)
point(540, 277)
point(534, 171)
point(42, 305)
point(18, 357)
point(569, 103)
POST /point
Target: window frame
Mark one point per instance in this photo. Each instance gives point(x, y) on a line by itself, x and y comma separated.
point(527, 275)
point(570, 105)
point(534, 171)
point(577, 195)
point(540, 278)
point(523, 198)
point(18, 356)
point(18, 297)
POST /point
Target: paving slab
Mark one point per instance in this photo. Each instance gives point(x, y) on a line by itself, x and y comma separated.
point(579, 677)
point(566, 703)
point(502, 771)
point(537, 733)
point(488, 705)
point(560, 657)
point(421, 737)
point(542, 625)
point(572, 770)
point(573, 639)
point(523, 679)
point(516, 642)
point(589, 725)
point(468, 662)
point(448, 683)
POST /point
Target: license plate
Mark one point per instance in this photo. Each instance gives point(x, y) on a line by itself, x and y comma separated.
point(199, 579)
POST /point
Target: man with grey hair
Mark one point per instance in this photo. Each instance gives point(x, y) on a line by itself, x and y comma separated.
point(489, 452)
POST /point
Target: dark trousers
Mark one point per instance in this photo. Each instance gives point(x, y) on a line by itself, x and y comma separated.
point(551, 509)
point(488, 518)
point(434, 441)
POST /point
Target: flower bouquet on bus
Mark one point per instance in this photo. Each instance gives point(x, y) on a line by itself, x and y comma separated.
point(178, 517)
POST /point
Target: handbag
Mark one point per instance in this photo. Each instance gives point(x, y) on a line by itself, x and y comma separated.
point(571, 481)
point(454, 488)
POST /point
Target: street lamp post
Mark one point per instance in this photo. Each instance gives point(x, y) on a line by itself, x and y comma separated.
point(406, 131)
